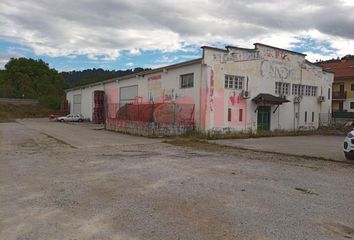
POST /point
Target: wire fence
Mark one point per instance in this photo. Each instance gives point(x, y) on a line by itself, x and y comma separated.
point(163, 114)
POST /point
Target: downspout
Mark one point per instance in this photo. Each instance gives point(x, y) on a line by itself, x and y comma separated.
point(202, 122)
point(294, 116)
point(245, 114)
point(300, 94)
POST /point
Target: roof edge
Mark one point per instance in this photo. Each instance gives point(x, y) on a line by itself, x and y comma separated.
point(240, 48)
point(214, 48)
point(265, 45)
point(160, 69)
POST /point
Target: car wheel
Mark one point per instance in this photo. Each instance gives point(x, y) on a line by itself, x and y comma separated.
point(349, 156)
point(61, 120)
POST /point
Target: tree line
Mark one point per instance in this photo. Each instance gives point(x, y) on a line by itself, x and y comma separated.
point(34, 79)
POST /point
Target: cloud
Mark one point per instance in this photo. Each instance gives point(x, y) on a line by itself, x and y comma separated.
point(5, 57)
point(166, 59)
point(129, 64)
point(103, 29)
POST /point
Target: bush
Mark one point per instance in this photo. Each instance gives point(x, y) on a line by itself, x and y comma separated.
point(52, 102)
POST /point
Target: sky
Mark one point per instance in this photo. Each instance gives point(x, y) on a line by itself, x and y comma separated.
point(124, 34)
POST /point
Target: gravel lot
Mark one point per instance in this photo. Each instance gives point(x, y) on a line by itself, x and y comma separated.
point(145, 189)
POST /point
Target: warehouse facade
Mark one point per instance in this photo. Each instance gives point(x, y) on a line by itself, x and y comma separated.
point(231, 89)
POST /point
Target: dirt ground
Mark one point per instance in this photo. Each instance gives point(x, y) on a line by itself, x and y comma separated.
point(145, 189)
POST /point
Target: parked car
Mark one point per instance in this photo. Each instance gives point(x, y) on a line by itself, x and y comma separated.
point(71, 118)
point(348, 146)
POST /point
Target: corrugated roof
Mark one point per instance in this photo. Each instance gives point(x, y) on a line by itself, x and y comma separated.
point(340, 68)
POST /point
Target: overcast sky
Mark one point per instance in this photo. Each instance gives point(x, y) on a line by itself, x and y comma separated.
point(119, 34)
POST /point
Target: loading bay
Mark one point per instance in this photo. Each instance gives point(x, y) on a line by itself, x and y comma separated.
point(76, 181)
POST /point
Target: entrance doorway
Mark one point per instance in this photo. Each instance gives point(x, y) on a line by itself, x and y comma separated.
point(263, 118)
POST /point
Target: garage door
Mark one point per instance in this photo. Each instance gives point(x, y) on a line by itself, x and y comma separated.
point(77, 104)
point(127, 94)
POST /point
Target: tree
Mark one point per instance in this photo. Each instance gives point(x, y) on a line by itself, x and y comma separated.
point(31, 78)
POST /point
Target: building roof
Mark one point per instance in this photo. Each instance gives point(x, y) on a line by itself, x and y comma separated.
point(341, 68)
point(143, 73)
point(252, 49)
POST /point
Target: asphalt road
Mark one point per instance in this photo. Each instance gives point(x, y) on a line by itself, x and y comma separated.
point(145, 189)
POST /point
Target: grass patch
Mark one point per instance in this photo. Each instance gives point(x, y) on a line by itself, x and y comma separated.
point(195, 143)
point(214, 135)
point(204, 145)
point(9, 111)
point(306, 191)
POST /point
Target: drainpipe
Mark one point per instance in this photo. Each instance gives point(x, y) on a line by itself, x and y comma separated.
point(300, 94)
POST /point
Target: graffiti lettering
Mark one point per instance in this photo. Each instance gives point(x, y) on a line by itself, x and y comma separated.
point(236, 57)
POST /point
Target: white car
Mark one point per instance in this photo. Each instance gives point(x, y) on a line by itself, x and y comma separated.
point(348, 146)
point(71, 118)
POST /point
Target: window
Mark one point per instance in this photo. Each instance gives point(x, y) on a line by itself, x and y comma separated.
point(234, 82)
point(329, 93)
point(240, 115)
point(313, 91)
point(313, 116)
point(305, 117)
point(295, 89)
point(77, 104)
point(352, 87)
point(301, 90)
point(187, 80)
point(282, 88)
point(308, 90)
point(304, 90)
point(352, 105)
point(229, 115)
point(77, 99)
point(298, 89)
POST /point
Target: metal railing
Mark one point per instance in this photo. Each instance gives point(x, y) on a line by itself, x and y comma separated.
point(343, 115)
point(339, 94)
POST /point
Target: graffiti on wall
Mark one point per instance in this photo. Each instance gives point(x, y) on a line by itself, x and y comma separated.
point(211, 91)
point(163, 114)
point(236, 56)
point(238, 107)
point(275, 54)
point(274, 70)
point(154, 87)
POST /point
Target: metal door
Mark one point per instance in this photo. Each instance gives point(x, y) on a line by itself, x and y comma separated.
point(263, 119)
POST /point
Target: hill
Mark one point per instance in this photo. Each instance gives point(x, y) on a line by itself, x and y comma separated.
point(78, 78)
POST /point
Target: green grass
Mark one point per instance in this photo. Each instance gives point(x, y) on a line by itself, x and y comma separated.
point(9, 111)
point(213, 135)
point(204, 145)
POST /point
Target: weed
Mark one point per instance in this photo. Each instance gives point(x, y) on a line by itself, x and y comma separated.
point(303, 190)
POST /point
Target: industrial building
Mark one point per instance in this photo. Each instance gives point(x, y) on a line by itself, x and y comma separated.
point(231, 89)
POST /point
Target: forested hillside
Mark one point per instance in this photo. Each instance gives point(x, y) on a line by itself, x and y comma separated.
point(29, 78)
point(77, 78)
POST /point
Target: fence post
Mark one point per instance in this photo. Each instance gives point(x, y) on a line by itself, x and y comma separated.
point(174, 114)
point(152, 112)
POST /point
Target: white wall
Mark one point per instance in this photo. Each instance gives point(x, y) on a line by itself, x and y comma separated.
point(86, 99)
point(264, 66)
